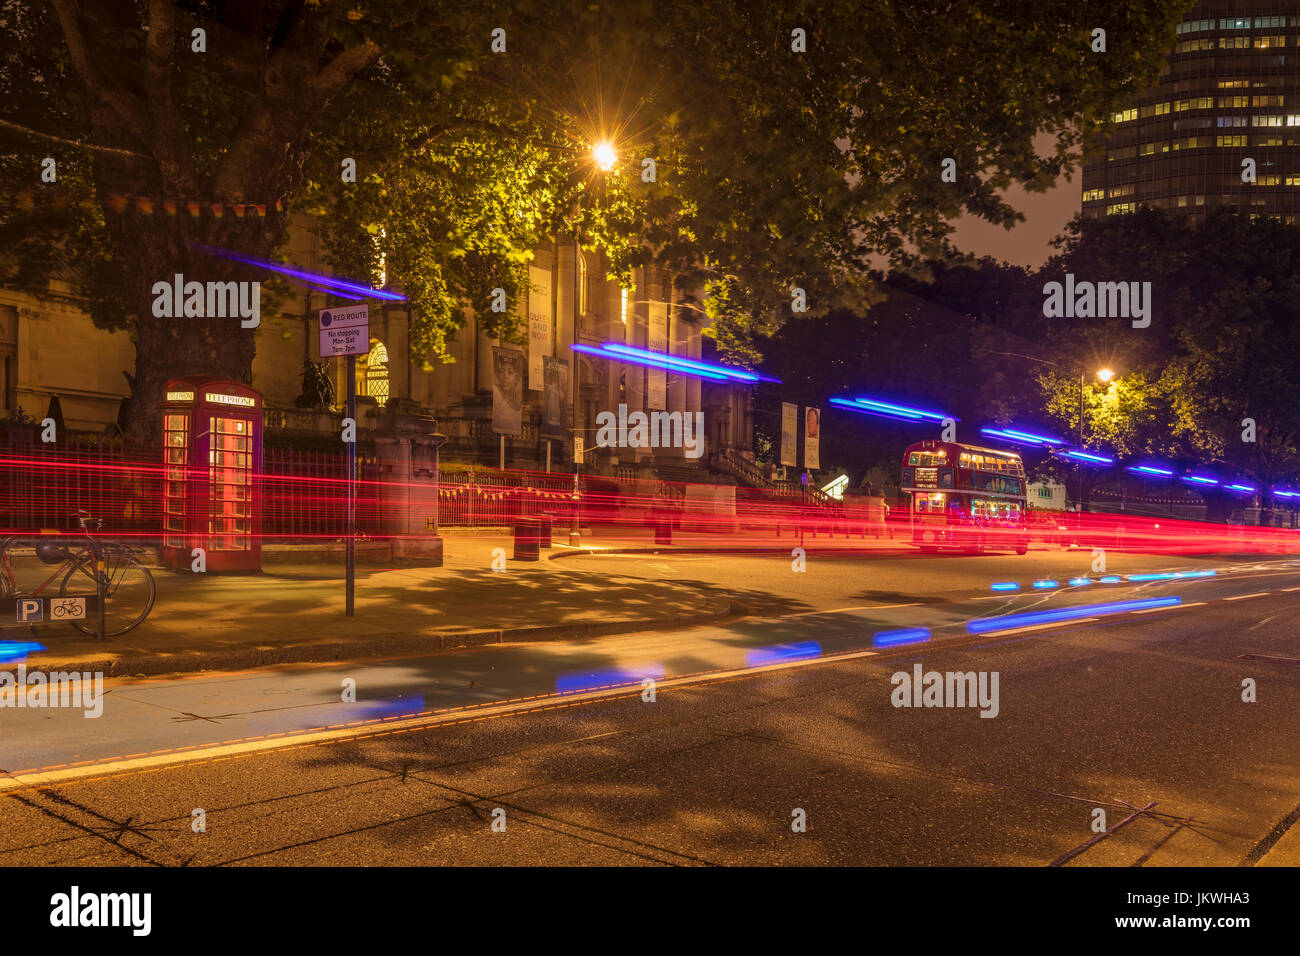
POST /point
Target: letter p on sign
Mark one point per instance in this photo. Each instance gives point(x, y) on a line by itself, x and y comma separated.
point(30, 610)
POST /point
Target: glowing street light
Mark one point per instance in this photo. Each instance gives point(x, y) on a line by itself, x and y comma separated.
point(604, 155)
point(1105, 374)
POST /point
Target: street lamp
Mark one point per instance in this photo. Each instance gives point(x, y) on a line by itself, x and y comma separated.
point(604, 156)
point(1104, 374)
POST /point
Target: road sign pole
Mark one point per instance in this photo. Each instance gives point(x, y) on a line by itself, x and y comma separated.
point(346, 331)
point(350, 601)
point(97, 562)
point(575, 529)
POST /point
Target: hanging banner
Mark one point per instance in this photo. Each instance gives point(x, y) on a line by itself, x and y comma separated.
point(539, 325)
point(657, 387)
point(507, 391)
point(812, 430)
point(555, 397)
point(789, 434)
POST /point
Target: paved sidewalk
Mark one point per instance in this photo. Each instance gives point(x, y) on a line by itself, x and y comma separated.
point(296, 613)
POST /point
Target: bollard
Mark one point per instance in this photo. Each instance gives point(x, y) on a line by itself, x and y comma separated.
point(663, 528)
point(527, 537)
point(544, 530)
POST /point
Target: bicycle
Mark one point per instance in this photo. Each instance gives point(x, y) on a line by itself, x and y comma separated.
point(129, 588)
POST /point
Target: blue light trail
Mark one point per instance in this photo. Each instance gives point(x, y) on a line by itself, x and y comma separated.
point(1009, 621)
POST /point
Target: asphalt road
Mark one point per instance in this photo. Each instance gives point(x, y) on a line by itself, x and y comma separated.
point(788, 709)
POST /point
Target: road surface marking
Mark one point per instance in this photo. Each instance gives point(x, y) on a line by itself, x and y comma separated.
point(1172, 607)
point(841, 610)
point(1242, 597)
point(1269, 658)
point(1039, 627)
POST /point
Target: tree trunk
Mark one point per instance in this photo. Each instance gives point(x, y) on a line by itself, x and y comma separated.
point(153, 249)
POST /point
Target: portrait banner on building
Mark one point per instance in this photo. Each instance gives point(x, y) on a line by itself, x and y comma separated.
point(507, 391)
point(539, 325)
point(657, 341)
point(555, 397)
point(812, 431)
point(789, 434)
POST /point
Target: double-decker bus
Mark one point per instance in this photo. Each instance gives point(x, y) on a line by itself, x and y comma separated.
point(965, 497)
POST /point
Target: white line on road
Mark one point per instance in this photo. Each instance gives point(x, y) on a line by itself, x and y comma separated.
point(1172, 607)
point(841, 610)
point(1040, 627)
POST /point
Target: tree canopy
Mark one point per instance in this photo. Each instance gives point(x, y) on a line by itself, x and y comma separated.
point(1212, 384)
point(793, 143)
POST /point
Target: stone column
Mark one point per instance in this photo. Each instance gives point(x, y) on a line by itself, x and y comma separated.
point(408, 494)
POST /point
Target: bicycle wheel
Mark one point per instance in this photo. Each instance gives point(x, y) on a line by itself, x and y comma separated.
point(129, 591)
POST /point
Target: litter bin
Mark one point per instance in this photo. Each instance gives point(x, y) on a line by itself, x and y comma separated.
point(528, 533)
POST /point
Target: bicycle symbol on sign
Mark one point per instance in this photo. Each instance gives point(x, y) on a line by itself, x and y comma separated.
point(68, 609)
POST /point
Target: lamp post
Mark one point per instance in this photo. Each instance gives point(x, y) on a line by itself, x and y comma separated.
point(575, 529)
point(604, 156)
point(1104, 374)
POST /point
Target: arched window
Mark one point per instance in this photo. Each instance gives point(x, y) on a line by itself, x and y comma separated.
point(372, 373)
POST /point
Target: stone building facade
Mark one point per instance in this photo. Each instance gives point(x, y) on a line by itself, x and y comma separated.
point(49, 348)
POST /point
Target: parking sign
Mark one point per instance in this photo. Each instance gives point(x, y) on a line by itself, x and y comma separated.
point(30, 610)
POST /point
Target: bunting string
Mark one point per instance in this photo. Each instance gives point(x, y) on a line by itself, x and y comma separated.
point(120, 203)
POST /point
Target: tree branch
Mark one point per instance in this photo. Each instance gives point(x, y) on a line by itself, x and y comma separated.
point(172, 149)
point(340, 70)
point(124, 105)
point(290, 99)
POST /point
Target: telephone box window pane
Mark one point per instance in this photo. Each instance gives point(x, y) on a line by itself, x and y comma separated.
point(175, 457)
point(231, 461)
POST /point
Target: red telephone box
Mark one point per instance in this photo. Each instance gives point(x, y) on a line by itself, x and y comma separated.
point(212, 455)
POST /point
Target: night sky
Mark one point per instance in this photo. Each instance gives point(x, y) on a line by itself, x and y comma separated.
point(1046, 215)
